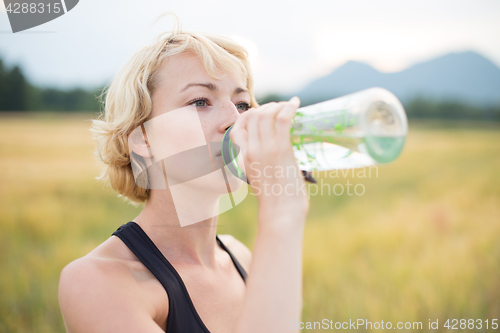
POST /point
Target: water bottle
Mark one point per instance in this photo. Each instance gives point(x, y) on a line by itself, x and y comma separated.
point(361, 129)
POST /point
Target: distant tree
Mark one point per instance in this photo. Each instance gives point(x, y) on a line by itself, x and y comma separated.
point(449, 109)
point(82, 100)
point(51, 100)
point(34, 95)
point(492, 113)
point(3, 86)
point(16, 91)
point(269, 98)
point(17, 94)
point(419, 108)
point(68, 101)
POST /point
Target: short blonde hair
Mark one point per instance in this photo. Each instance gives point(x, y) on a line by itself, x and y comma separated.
point(128, 98)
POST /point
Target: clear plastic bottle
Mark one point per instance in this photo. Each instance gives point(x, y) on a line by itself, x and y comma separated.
point(361, 129)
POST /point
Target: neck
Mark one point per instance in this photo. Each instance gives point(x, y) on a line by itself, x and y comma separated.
point(166, 222)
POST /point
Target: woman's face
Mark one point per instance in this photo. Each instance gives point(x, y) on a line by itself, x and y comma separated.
point(183, 81)
point(190, 115)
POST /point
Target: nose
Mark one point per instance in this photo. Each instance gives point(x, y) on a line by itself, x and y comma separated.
point(228, 116)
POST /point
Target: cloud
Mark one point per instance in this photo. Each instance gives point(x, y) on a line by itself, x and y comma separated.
point(2, 7)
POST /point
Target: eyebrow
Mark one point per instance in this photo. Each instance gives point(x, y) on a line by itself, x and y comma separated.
point(212, 87)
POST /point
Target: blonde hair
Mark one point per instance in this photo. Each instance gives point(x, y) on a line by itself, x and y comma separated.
point(128, 98)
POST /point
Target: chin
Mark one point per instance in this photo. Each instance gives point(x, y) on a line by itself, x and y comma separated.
point(216, 182)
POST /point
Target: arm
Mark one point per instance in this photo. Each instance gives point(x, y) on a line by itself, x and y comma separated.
point(90, 304)
point(274, 287)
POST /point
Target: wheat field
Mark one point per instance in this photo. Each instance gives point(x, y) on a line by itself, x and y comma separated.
point(422, 242)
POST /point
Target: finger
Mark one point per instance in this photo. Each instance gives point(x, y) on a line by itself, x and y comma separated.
point(261, 109)
point(284, 119)
point(253, 143)
point(239, 137)
point(267, 127)
point(239, 133)
point(242, 119)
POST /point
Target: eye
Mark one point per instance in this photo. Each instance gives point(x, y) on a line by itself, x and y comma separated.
point(199, 102)
point(242, 106)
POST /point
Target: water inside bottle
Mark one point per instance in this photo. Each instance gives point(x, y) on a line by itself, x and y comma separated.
point(317, 153)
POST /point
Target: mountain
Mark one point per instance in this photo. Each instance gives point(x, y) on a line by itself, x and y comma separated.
point(465, 76)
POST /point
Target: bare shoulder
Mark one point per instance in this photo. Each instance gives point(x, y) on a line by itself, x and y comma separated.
point(238, 249)
point(102, 294)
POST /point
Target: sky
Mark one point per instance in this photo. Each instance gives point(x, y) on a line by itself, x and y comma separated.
point(290, 42)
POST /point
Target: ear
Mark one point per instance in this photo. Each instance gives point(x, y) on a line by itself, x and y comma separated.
point(138, 143)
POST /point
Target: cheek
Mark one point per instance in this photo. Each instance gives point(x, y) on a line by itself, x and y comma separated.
point(209, 127)
point(174, 132)
point(180, 138)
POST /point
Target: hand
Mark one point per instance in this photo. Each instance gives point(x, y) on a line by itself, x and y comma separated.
point(263, 135)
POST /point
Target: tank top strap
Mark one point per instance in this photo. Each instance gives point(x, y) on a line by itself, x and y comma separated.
point(236, 263)
point(182, 315)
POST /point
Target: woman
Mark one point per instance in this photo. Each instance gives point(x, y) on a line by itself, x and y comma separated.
point(160, 274)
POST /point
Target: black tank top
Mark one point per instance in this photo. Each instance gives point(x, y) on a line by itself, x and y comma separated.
point(182, 315)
